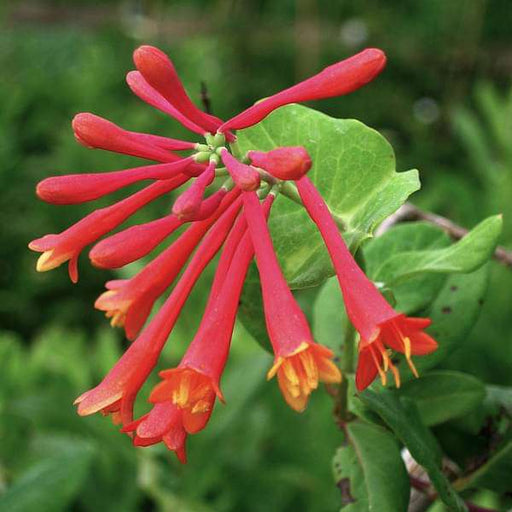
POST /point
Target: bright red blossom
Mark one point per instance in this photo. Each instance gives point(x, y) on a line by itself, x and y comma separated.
point(232, 217)
point(378, 324)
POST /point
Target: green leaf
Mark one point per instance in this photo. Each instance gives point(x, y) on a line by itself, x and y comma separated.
point(411, 259)
point(453, 313)
point(251, 311)
point(468, 254)
point(499, 397)
point(443, 395)
point(494, 474)
point(329, 317)
point(50, 484)
point(402, 416)
point(370, 471)
point(354, 169)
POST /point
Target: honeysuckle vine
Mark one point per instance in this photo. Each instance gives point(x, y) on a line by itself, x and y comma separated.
point(225, 208)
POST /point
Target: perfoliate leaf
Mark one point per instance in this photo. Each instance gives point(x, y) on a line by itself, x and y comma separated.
point(443, 395)
point(370, 471)
point(353, 168)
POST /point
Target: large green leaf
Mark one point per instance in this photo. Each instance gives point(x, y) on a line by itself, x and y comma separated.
point(443, 395)
point(402, 416)
point(353, 168)
point(52, 483)
point(370, 471)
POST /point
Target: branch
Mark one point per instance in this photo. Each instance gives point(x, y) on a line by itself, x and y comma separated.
point(409, 212)
point(424, 488)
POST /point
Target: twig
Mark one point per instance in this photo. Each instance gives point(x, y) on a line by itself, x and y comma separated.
point(205, 98)
point(424, 487)
point(410, 212)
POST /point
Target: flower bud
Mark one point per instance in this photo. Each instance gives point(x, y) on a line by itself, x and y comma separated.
point(288, 163)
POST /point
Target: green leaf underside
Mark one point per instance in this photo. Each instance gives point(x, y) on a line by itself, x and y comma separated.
point(354, 170)
point(370, 471)
point(402, 416)
point(443, 395)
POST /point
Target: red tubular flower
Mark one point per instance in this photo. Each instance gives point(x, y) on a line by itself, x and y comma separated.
point(341, 78)
point(245, 176)
point(378, 324)
point(146, 93)
point(195, 383)
point(286, 163)
point(129, 302)
point(136, 241)
point(188, 204)
point(95, 132)
point(159, 72)
point(67, 246)
point(162, 424)
point(116, 393)
point(80, 188)
point(299, 363)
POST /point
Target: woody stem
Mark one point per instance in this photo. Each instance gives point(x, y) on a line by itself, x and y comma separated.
point(347, 368)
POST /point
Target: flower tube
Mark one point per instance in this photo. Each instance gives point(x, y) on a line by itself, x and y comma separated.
point(378, 324)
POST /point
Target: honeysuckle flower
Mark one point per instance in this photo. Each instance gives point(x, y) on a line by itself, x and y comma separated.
point(184, 399)
point(80, 188)
point(68, 245)
point(245, 177)
point(300, 363)
point(128, 302)
point(117, 392)
point(380, 327)
point(97, 133)
point(286, 163)
point(136, 241)
point(195, 384)
point(336, 80)
point(146, 93)
point(162, 424)
point(188, 204)
point(159, 72)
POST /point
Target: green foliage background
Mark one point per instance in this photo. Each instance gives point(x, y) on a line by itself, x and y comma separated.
point(445, 104)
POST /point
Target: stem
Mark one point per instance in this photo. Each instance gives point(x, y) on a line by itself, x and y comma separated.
point(431, 496)
point(347, 368)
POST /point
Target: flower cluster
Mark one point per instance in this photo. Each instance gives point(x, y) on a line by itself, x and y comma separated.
point(231, 218)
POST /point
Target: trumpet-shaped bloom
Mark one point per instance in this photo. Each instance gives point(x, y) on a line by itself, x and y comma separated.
point(162, 424)
point(195, 383)
point(336, 80)
point(80, 188)
point(117, 392)
point(299, 363)
point(129, 302)
point(136, 241)
point(378, 324)
point(68, 245)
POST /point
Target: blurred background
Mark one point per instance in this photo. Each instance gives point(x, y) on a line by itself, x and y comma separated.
point(444, 102)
